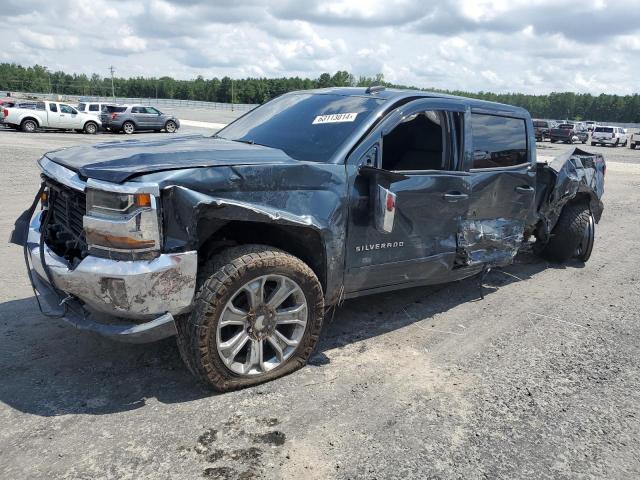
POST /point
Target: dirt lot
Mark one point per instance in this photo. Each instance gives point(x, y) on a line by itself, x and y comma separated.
point(538, 380)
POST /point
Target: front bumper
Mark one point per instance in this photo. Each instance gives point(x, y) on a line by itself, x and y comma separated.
point(149, 293)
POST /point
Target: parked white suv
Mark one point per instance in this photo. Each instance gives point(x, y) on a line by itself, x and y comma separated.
point(92, 108)
point(604, 135)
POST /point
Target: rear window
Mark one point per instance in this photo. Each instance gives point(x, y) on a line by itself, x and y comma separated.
point(604, 129)
point(498, 142)
point(566, 126)
point(540, 123)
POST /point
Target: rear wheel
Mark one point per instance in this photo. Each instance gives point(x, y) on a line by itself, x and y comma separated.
point(257, 317)
point(573, 235)
point(632, 146)
point(170, 126)
point(593, 144)
point(28, 126)
point(128, 128)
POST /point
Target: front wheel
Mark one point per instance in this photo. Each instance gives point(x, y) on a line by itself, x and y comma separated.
point(91, 128)
point(257, 317)
point(170, 126)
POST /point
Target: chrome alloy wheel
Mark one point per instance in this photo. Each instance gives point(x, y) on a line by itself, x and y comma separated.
point(262, 325)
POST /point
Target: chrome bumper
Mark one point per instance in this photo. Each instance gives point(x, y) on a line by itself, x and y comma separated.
point(150, 292)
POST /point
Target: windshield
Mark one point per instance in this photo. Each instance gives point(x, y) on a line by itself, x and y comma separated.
point(305, 126)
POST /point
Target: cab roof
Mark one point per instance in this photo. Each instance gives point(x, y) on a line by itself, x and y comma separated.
point(395, 94)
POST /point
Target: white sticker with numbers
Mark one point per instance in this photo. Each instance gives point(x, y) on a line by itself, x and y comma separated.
point(335, 118)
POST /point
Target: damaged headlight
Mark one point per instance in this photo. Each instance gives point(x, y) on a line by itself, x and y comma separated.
point(121, 222)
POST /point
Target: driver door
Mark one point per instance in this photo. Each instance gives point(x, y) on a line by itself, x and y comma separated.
point(69, 117)
point(413, 159)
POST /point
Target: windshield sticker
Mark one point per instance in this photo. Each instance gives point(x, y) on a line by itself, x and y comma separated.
point(335, 118)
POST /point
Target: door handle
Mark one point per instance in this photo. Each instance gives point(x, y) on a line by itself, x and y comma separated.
point(455, 196)
point(524, 189)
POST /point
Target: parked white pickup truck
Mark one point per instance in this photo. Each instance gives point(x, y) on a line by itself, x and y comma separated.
point(50, 115)
point(634, 140)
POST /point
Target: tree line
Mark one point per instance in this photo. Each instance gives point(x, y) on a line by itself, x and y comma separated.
point(557, 105)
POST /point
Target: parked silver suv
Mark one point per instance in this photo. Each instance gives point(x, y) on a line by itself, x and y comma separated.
point(131, 118)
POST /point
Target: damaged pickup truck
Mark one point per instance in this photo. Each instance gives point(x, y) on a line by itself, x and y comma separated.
point(237, 243)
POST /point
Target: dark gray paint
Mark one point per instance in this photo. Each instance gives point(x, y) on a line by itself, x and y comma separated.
point(206, 184)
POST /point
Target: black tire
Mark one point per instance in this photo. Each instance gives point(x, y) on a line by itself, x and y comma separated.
point(91, 128)
point(221, 279)
point(593, 144)
point(128, 127)
point(569, 233)
point(28, 125)
point(170, 126)
point(625, 143)
point(632, 146)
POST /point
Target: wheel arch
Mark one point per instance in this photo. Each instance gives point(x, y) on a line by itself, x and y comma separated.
point(30, 117)
point(303, 242)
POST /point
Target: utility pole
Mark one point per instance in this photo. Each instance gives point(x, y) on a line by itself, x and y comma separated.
point(113, 90)
point(232, 94)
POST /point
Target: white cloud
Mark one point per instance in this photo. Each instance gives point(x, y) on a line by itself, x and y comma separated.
point(533, 46)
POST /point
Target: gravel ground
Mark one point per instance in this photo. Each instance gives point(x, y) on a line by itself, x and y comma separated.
point(538, 380)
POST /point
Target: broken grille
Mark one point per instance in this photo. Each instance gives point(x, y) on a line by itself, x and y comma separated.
point(63, 229)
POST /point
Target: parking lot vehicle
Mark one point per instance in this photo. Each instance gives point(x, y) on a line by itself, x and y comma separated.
point(237, 243)
point(634, 140)
point(542, 129)
point(92, 108)
point(132, 118)
point(28, 117)
point(590, 125)
point(607, 135)
point(569, 133)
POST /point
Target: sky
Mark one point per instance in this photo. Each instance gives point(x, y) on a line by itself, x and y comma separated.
point(527, 46)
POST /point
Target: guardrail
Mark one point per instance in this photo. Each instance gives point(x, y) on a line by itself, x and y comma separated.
point(159, 102)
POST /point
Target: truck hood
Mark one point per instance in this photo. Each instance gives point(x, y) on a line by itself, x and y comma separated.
point(120, 161)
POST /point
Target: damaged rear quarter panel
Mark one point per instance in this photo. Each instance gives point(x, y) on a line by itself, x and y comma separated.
point(306, 194)
point(574, 173)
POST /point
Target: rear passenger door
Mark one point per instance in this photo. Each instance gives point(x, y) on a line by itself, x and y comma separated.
point(140, 117)
point(502, 173)
point(54, 119)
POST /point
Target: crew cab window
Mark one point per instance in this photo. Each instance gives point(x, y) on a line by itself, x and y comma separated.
point(498, 141)
point(67, 109)
point(418, 143)
point(53, 107)
point(94, 107)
